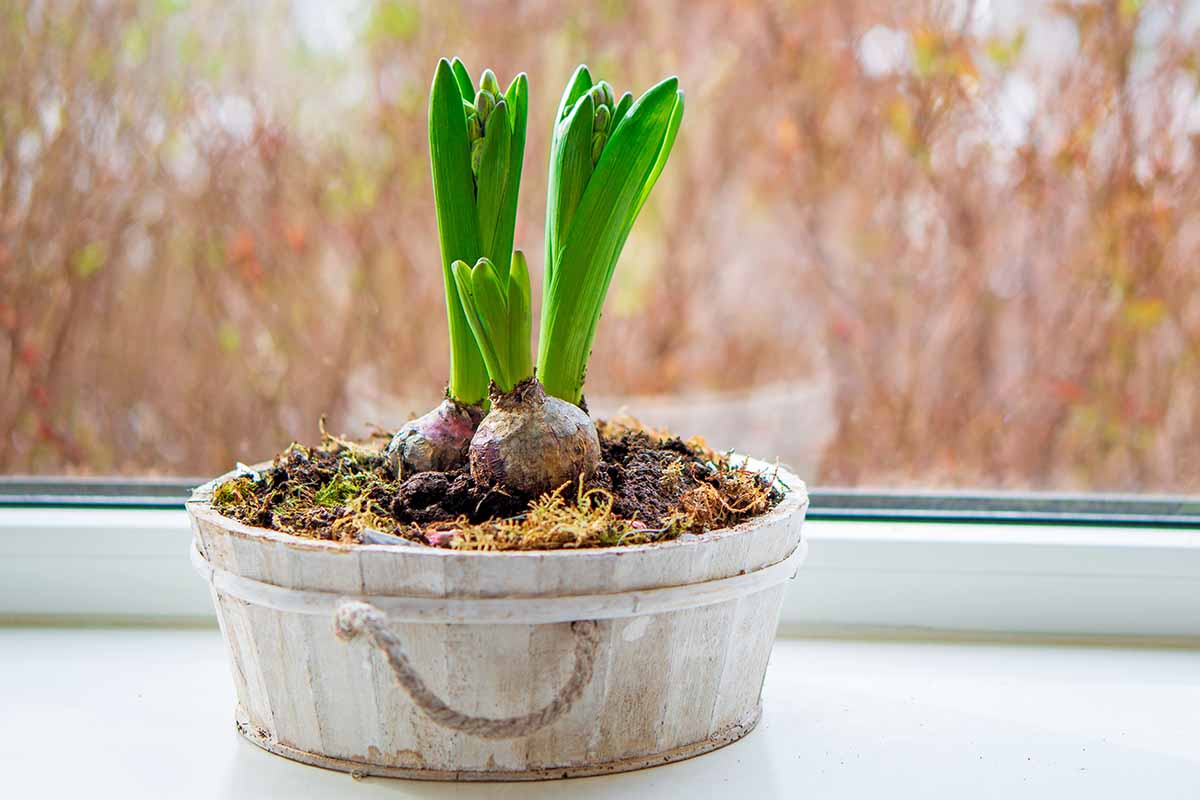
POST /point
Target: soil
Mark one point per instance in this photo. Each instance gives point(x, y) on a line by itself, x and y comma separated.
point(651, 486)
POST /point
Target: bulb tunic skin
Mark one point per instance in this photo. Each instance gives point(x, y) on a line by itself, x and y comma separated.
point(436, 441)
point(531, 443)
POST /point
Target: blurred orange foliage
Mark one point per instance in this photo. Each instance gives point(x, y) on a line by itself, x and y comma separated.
point(976, 224)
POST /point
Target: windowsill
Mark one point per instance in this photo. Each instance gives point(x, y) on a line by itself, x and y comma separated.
point(148, 711)
point(90, 565)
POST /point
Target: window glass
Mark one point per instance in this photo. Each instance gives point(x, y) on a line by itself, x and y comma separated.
point(898, 244)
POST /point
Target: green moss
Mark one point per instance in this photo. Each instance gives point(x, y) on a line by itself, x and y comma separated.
point(339, 490)
point(233, 492)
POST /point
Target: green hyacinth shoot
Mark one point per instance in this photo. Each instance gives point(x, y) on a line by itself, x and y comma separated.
point(498, 311)
point(477, 148)
point(605, 156)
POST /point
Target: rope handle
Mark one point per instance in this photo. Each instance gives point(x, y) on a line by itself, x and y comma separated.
point(356, 617)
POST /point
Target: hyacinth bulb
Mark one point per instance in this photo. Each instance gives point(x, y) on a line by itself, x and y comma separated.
point(530, 443)
point(437, 441)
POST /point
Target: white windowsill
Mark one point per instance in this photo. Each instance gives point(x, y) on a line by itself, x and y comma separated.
point(860, 577)
point(147, 712)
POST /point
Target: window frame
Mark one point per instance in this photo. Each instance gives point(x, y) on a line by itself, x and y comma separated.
point(890, 563)
point(1010, 508)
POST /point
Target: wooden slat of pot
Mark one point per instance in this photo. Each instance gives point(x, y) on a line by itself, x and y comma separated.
point(699, 646)
point(566, 741)
point(637, 685)
point(489, 668)
point(239, 622)
point(228, 633)
point(284, 661)
point(344, 704)
point(400, 723)
point(702, 643)
point(749, 648)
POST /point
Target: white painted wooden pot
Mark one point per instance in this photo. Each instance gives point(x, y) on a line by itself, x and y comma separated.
point(422, 662)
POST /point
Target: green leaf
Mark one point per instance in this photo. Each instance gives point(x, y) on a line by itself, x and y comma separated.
point(664, 151)
point(465, 292)
point(499, 317)
point(499, 181)
point(517, 100)
point(621, 110)
point(463, 78)
point(490, 294)
point(454, 193)
point(579, 84)
point(631, 162)
point(492, 190)
point(572, 168)
point(520, 320)
point(486, 309)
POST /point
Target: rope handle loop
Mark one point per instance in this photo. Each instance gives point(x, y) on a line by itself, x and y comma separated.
point(355, 617)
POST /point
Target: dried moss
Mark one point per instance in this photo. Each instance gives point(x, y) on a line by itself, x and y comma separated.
point(652, 487)
point(553, 523)
point(733, 495)
point(672, 476)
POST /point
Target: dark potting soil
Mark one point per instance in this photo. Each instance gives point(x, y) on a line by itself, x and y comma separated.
point(651, 486)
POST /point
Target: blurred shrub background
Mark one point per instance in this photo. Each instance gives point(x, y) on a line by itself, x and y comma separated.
point(898, 243)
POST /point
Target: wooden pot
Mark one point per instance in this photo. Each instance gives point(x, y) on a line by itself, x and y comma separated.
point(423, 662)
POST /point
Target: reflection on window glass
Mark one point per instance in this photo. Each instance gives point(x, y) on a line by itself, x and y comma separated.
point(898, 244)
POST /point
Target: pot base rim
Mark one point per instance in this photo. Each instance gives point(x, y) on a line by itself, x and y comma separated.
point(363, 769)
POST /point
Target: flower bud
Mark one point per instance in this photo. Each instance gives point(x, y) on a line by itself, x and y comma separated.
point(600, 121)
point(489, 84)
point(598, 140)
point(597, 93)
point(608, 99)
point(476, 156)
point(484, 103)
point(474, 129)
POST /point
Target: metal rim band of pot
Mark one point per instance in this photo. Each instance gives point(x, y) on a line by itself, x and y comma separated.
point(506, 610)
